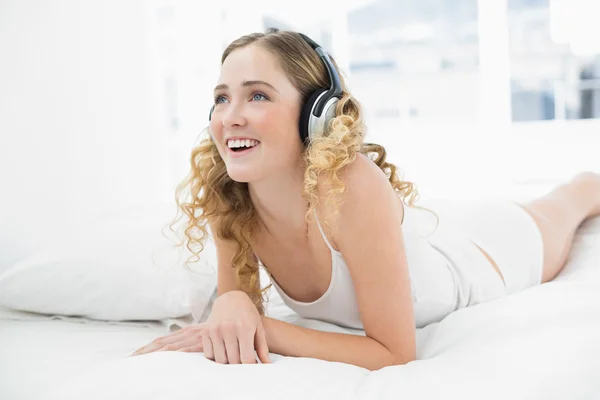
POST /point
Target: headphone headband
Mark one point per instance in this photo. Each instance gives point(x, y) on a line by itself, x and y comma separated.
point(335, 90)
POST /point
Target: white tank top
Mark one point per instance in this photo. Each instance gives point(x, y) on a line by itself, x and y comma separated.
point(433, 259)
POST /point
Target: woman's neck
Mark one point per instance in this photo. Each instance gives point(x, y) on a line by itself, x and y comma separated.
point(278, 201)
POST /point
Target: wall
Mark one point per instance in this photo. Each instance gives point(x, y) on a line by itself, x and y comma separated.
point(516, 161)
point(81, 133)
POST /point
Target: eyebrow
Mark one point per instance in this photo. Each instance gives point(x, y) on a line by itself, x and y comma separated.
point(247, 83)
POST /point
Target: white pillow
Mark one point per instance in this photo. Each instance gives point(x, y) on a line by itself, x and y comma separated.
point(122, 268)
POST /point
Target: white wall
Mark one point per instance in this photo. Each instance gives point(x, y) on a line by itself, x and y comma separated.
point(201, 33)
point(518, 161)
point(81, 134)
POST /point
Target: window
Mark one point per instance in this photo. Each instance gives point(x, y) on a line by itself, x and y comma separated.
point(416, 60)
point(555, 59)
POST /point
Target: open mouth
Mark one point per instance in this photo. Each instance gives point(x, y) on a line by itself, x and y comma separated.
point(242, 145)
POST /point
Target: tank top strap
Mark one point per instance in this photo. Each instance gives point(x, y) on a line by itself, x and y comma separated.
point(323, 234)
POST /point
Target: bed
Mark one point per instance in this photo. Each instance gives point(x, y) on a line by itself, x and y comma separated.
point(542, 343)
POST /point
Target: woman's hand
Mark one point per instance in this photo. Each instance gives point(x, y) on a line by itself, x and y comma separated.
point(232, 334)
point(234, 331)
point(188, 339)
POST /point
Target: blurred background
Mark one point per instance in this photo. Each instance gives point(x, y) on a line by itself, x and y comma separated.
point(101, 101)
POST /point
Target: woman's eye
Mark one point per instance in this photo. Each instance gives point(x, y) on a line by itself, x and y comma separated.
point(219, 99)
point(259, 96)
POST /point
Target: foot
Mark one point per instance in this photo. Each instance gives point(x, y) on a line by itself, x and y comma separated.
point(590, 186)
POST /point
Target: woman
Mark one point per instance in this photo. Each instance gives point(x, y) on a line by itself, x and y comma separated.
point(285, 181)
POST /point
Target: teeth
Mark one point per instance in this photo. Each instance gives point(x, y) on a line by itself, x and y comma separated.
point(241, 143)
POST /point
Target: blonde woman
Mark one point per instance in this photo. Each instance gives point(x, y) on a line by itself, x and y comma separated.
point(285, 182)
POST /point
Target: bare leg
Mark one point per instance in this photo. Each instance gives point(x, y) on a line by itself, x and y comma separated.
point(559, 213)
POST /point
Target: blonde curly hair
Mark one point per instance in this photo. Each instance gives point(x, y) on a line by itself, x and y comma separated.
point(209, 194)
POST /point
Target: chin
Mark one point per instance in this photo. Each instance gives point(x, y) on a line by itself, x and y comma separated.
point(241, 175)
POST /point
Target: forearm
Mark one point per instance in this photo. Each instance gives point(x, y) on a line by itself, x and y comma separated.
point(296, 341)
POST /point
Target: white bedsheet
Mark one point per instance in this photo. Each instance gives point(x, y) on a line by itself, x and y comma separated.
point(542, 343)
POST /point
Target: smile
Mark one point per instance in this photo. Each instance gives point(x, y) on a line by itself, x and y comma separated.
point(241, 144)
point(241, 147)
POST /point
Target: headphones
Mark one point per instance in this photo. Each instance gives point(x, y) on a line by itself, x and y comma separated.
point(319, 109)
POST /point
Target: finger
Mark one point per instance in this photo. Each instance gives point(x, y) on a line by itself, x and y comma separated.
point(170, 340)
point(262, 349)
point(176, 334)
point(136, 353)
point(246, 343)
point(232, 348)
point(207, 346)
point(162, 341)
point(141, 350)
point(185, 331)
point(188, 342)
point(197, 348)
point(218, 347)
point(174, 344)
point(190, 330)
point(149, 348)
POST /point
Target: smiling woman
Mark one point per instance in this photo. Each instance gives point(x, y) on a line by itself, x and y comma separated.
point(285, 181)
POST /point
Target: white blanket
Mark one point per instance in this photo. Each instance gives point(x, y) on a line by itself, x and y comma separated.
point(542, 343)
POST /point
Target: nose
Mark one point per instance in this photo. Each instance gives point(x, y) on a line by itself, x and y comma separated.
point(233, 116)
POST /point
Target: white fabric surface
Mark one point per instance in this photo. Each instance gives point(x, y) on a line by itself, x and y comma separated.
point(542, 343)
point(119, 268)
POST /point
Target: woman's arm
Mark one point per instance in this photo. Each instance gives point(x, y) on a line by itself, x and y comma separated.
point(296, 341)
point(369, 234)
point(226, 280)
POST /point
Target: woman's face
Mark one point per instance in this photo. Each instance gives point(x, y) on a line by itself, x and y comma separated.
point(256, 106)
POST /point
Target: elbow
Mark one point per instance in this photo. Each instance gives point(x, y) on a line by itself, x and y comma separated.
point(392, 358)
point(403, 360)
point(404, 356)
point(408, 354)
point(394, 361)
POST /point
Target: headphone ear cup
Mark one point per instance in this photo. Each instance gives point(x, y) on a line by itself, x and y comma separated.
point(305, 116)
point(318, 125)
point(209, 118)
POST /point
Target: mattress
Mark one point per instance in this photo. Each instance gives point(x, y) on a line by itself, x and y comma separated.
point(541, 343)
point(37, 352)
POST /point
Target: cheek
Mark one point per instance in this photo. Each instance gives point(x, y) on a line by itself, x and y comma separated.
point(214, 127)
point(216, 132)
point(279, 128)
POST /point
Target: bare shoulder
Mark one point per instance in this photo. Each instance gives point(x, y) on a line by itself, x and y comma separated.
point(369, 188)
point(358, 177)
point(368, 193)
point(363, 174)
